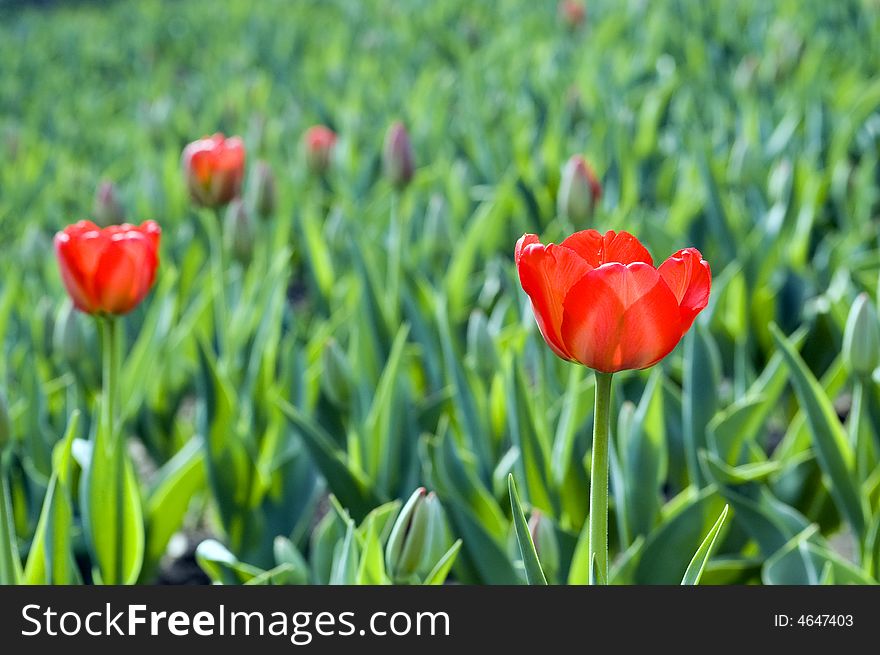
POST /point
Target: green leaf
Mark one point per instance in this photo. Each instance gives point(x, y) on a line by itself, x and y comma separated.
point(112, 515)
point(695, 569)
point(10, 566)
point(668, 548)
point(51, 560)
point(441, 569)
point(525, 434)
point(345, 559)
point(834, 453)
point(347, 483)
point(222, 566)
point(178, 480)
point(642, 455)
point(229, 467)
point(699, 396)
point(287, 553)
point(531, 564)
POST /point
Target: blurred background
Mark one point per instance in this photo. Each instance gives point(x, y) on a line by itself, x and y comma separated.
point(378, 339)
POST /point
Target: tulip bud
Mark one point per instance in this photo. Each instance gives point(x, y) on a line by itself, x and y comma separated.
point(68, 338)
point(107, 209)
point(239, 230)
point(319, 142)
point(265, 194)
point(438, 541)
point(579, 191)
point(5, 423)
point(546, 544)
point(397, 157)
point(861, 337)
point(409, 538)
point(337, 380)
point(573, 13)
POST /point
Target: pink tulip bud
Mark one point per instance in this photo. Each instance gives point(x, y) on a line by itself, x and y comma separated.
point(319, 142)
point(579, 191)
point(398, 156)
point(107, 209)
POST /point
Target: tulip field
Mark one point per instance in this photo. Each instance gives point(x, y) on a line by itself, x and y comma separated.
point(371, 292)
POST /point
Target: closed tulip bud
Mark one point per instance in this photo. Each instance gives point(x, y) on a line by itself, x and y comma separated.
point(337, 381)
point(861, 338)
point(5, 423)
point(546, 544)
point(319, 142)
point(438, 541)
point(409, 538)
point(213, 168)
point(397, 157)
point(68, 338)
point(579, 191)
point(573, 13)
point(239, 230)
point(107, 209)
point(265, 194)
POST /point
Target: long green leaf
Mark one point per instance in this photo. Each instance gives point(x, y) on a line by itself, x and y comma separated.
point(695, 569)
point(534, 572)
point(832, 448)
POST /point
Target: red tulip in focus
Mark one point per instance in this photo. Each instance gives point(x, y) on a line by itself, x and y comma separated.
point(600, 301)
point(110, 270)
point(319, 142)
point(397, 156)
point(214, 169)
point(573, 12)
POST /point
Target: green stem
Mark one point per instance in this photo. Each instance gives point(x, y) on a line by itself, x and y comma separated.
point(112, 441)
point(212, 223)
point(396, 247)
point(599, 481)
point(110, 379)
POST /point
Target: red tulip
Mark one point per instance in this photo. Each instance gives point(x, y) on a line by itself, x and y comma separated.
point(319, 142)
point(600, 301)
point(110, 270)
point(214, 169)
point(573, 12)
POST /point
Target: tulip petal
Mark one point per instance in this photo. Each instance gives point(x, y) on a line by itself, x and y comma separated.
point(689, 278)
point(546, 274)
point(620, 317)
point(598, 249)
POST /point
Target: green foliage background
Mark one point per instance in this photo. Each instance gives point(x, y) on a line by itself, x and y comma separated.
point(750, 130)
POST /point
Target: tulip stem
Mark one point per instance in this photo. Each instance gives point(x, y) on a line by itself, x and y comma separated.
point(599, 481)
point(110, 378)
point(396, 248)
point(112, 444)
point(211, 221)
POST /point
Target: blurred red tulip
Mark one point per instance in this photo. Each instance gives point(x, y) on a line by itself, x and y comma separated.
point(214, 169)
point(599, 300)
point(397, 156)
point(110, 270)
point(319, 141)
point(573, 12)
